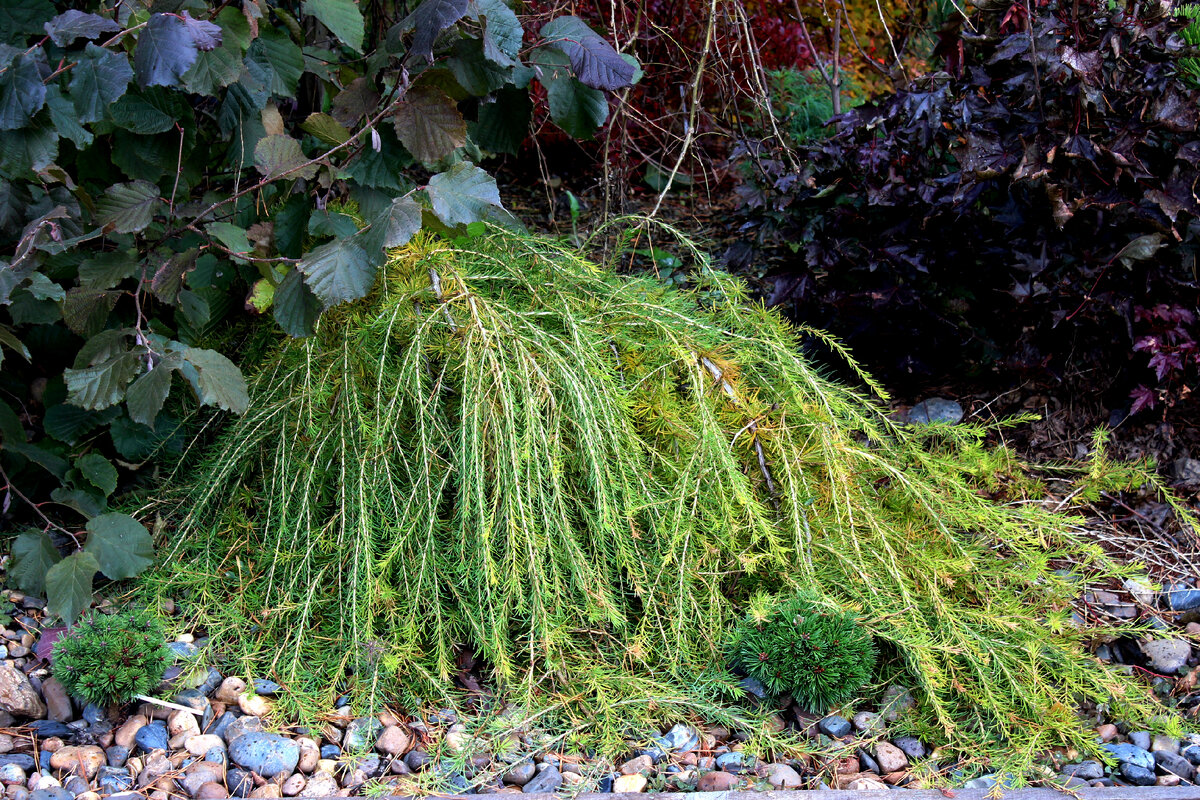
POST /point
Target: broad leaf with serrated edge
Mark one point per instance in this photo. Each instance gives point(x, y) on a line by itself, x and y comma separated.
point(275, 59)
point(74, 24)
point(429, 124)
point(99, 472)
point(121, 545)
point(502, 31)
point(296, 307)
point(86, 310)
point(502, 125)
point(326, 128)
point(593, 60)
point(343, 19)
point(128, 207)
point(428, 20)
point(68, 423)
point(219, 382)
point(165, 51)
point(205, 35)
point(168, 279)
point(462, 194)
point(22, 93)
point(69, 585)
point(145, 397)
point(392, 227)
point(278, 155)
point(103, 385)
point(100, 77)
point(338, 272)
point(66, 118)
point(135, 113)
point(33, 554)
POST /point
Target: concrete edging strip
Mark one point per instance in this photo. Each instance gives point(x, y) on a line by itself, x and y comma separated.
point(1106, 793)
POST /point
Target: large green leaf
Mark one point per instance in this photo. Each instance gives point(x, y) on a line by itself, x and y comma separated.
point(474, 71)
point(296, 307)
point(146, 395)
point(428, 20)
point(86, 310)
point(128, 207)
point(593, 60)
point(99, 472)
point(326, 128)
point(343, 19)
point(66, 118)
point(291, 224)
point(74, 24)
point(577, 109)
point(393, 227)
point(429, 124)
point(218, 382)
point(168, 278)
point(502, 31)
point(165, 51)
point(121, 545)
point(33, 554)
point(100, 77)
point(463, 194)
point(69, 585)
point(338, 272)
point(274, 59)
point(105, 270)
point(68, 423)
point(22, 93)
point(103, 385)
point(135, 113)
point(279, 155)
point(214, 70)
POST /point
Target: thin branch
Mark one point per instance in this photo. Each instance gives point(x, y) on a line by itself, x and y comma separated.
point(36, 508)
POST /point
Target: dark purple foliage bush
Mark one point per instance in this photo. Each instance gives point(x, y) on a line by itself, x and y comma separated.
point(1013, 210)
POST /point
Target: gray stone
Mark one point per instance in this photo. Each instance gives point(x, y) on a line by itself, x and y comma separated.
point(216, 755)
point(1183, 599)
point(211, 681)
point(114, 779)
point(680, 739)
point(868, 722)
point(1187, 471)
point(889, 757)
point(1085, 770)
point(320, 784)
point(361, 734)
point(12, 774)
point(1140, 739)
point(1162, 742)
point(183, 651)
point(782, 776)
point(330, 751)
point(1167, 655)
point(152, 736)
point(520, 774)
point(737, 762)
point(868, 762)
point(268, 754)
point(936, 409)
point(834, 726)
point(51, 793)
point(22, 760)
point(241, 782)
point(75, 785)
point(548, 780)
point(1191, 753)
point(17, 695)
point(1129, 754)
point(199, 774)
point(1168, 762)
point(911, 747)
point(265, 687)
point(754, 688)
point(221, 724)
point(240, 727)
point(416, 760)
point(1137, 774)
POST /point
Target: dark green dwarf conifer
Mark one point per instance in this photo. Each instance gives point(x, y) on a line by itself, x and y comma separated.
point(820, 657)
point(111, 658)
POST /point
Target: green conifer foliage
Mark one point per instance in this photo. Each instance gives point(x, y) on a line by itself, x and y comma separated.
point(111, 658)
point(510, 448)
point(819, 656)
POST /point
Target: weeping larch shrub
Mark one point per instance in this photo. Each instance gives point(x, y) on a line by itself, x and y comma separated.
point(584, 477)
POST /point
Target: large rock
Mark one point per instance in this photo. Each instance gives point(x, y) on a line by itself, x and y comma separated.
point(1167, 655)
point(718, 781)
point(1128, 754)
point(1169, 763)
point(320, 784)
point(17, 695)
point(936, 409)
point(393, 741)
point(81, 761)
point(58, 704)
point(268, 754)
point(782, 776)
point(890, 758)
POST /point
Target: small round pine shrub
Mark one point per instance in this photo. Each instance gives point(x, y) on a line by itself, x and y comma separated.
point(111, 658)
point(819, 657)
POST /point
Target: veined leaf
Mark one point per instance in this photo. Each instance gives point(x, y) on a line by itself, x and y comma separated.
point(99, 472)
point(343, 19)
point(276, 60)
point(69, 585)
point(277, 155)
point(595, 62)
point(121, 545)
point(393, 227)
point(577, 109)
point(135, 113)
point(502, 31)
point(146, 395)
point(74, 24)
point(100, 77)
point(503, 124)
point(165, 51)
point(429, 124)
point(326, 128)
point(296, 307)
point(218, 382)
point(428, 20)
point(22, 93)
point(22, 18)
point(463, 194)
point(103, 385)
point(33, 554)
point(85, 310)
point(338, 272)
point(128, 207)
